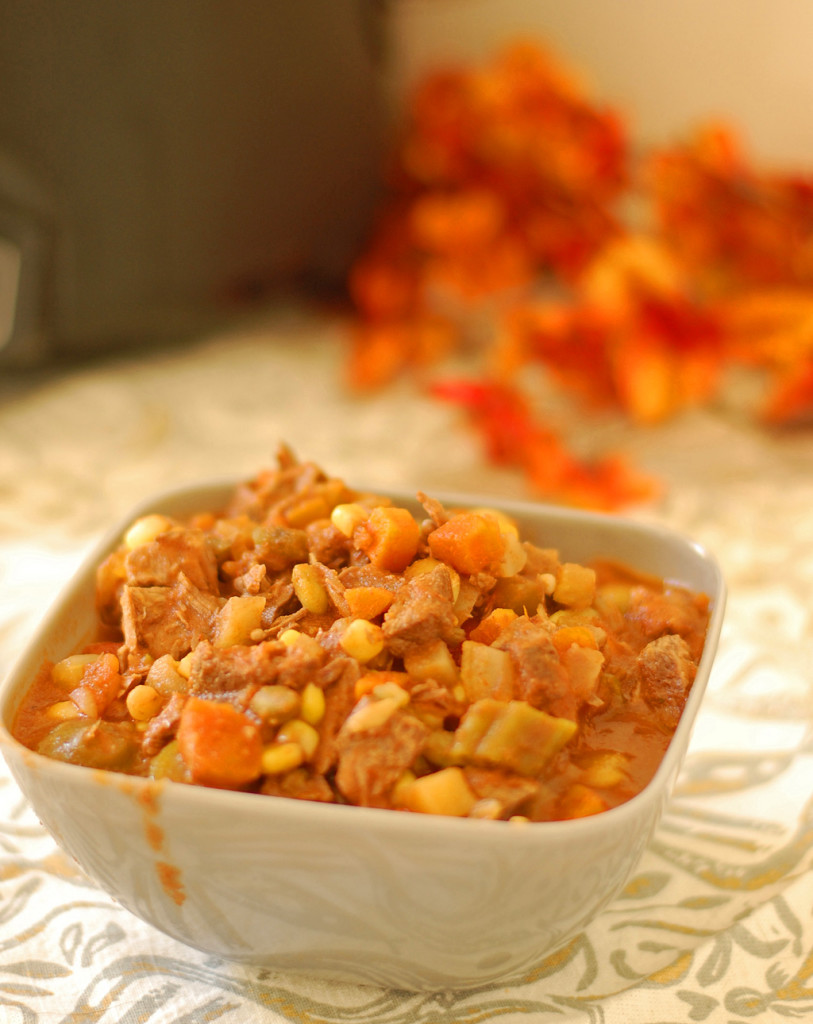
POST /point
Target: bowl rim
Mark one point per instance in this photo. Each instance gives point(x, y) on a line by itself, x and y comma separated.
point(13, 684)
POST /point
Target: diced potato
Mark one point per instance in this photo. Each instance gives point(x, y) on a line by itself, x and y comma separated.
point(575, 585)
point(485, 671)
point(432, 661)
point(511, 735)
point(67, 673)
point(514, 558)
point(238, 619)
point(605, 769)
point(584, 665)
point(442, 792)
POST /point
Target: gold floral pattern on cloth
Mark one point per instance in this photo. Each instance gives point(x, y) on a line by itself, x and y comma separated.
point(716, 924)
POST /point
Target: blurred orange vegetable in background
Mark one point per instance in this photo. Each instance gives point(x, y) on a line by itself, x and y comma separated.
point(502, 231)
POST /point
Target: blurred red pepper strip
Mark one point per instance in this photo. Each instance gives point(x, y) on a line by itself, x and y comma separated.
point(513, 437)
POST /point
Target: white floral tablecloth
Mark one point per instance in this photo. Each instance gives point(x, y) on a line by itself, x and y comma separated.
point(717, 924)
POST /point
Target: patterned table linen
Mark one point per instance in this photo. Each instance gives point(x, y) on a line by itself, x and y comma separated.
point(716, 925)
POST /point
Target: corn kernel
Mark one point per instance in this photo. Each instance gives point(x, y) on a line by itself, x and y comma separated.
point(308, 588)
point(347, 517)
point(278, 758)
point(313, 704)
point(362, 640)
point(146, 529)
point(299, 731)
point(144, 702)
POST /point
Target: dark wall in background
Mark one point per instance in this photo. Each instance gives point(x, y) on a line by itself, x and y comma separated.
point(166, 161)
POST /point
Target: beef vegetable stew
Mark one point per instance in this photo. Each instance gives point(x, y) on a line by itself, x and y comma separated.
point(312, 641)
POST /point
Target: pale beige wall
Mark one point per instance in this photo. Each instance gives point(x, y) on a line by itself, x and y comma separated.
point(666, 63)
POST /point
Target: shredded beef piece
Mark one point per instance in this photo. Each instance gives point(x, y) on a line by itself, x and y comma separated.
point(164, 620)
point(372, 761)
point(430, 698)
point(369, 576)
point(278, 596)
point(665, 674)
point(540, 678)
point(161, 729)
point(299, 665)
point(337, 679)
point(178, 551)
point(268, 490)
point(509, 790)
point(329, 579)
point(215, 670)
point(252, 581)
point(423, 610)
point(299, 784)
point(327, 544)
point(434, 509)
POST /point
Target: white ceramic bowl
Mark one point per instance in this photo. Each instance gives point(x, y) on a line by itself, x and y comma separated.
point(363, 895)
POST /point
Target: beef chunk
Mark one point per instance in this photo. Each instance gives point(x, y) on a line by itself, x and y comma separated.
point(504, 790)
point(665, 674)
point(540, 678)
point(372, 760)
point(161, 729)
point(164, 620)
point(223, 670)
point(674, 611)
point(423, 610)
point(178, 551)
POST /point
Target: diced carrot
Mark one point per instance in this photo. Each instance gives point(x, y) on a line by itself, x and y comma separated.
point(219, 744)
point(568, 635)
point(368, 602)
point(389, 537)
point(468, 542)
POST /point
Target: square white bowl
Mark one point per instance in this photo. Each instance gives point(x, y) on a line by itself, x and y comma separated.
point(362, 895)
